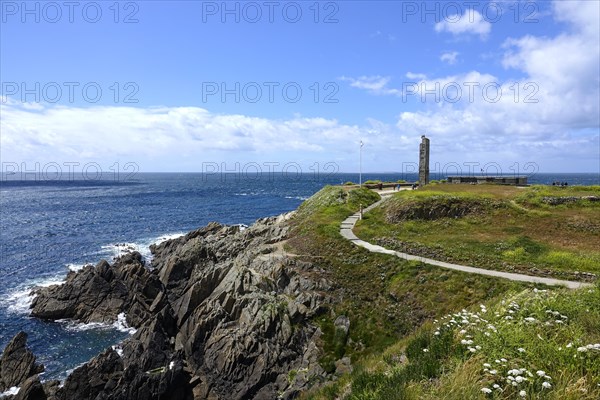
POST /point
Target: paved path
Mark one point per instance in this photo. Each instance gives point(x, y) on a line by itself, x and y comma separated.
point(346, 231)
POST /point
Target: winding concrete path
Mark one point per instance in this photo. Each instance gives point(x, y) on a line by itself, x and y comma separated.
point(348, 225)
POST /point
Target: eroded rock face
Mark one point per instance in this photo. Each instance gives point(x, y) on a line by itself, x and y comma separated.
point(19, 369)
point(100, 293)
point(221, 314)
point(17, 363)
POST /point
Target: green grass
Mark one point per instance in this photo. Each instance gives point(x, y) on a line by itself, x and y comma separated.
point(502, 228)
point(386, 298)
point(396, 307)
point(551, 331)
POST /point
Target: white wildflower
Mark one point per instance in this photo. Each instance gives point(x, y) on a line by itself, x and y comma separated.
point(546, 385)
point(522, 393)
point(486, 390)
point(521, 350)
point(541, 373)
point(514, 372)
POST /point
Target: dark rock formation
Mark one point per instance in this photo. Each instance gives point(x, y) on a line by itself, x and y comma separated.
point(31, 389)
point(222, 313)
point(17, 363)
point(100, 293)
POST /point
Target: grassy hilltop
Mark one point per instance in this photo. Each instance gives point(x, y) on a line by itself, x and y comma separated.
point(419, 331)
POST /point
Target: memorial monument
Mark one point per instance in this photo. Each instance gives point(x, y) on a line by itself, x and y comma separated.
point(424, 161)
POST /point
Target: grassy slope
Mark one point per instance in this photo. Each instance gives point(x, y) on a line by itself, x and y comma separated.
point(553, 332)
point(511, 228)
point(385, 298)
point(392, 304)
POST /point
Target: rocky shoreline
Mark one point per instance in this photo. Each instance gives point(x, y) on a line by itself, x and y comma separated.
point(221, 313)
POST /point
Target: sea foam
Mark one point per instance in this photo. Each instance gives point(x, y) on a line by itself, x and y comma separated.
point(19, 300)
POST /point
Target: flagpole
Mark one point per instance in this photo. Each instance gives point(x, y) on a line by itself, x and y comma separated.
point(360, 165)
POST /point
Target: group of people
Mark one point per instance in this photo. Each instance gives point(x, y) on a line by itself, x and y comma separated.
point(413, 187)
point(561, 184)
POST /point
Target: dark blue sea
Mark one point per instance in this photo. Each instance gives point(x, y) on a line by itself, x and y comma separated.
point(50, 226)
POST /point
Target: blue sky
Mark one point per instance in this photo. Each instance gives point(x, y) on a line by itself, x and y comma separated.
point(362, 68)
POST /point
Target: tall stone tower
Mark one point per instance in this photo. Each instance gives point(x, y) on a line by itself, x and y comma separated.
point(424, 161)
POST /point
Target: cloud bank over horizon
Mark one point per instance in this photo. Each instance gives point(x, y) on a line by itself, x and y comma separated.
point(548, 113)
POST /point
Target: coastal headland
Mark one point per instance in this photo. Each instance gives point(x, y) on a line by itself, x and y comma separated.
point(288, 308)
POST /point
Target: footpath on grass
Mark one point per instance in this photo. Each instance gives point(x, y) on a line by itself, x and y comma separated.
point(346, 230)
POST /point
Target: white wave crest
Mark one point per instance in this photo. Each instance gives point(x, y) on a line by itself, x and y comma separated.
point(76, 267)
point(74, 326)
point(18, 301)
point(117, 250)
point(121, 324)
point(169, 236)
point(13, 391)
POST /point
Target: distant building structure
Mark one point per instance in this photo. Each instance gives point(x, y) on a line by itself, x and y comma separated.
point(499, 180)
point(424, 161)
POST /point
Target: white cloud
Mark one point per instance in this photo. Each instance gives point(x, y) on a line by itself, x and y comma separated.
point(181, 138)
point(471, 22)
point(449, 57)
point(373, 84)
point(413, 76)
point(560, 72)
point(583, 16)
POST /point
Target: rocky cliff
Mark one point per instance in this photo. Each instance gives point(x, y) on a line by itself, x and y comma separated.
point(221, 313)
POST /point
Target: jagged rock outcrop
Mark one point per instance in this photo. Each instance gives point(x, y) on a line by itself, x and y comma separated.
point(100, 293)
point(222, 313)
point(19, 369)
point(31, 389)
point(17, 363)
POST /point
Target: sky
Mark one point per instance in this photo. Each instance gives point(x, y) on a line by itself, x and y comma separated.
point(194, 86)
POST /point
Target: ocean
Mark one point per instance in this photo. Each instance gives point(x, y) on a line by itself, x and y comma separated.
point(50, 227)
